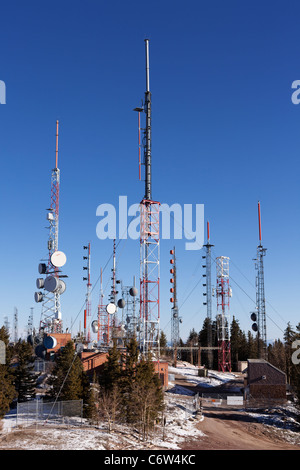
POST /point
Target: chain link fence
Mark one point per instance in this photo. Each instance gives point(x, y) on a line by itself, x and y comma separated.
point(39, 413)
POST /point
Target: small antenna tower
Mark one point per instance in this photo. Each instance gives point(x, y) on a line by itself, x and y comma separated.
point(149, 236)
point(175, 319)
point(30, 323)
point(16, 321)
point(104, 330)
point(223, 293)
point(87, 312)
point(208, 295)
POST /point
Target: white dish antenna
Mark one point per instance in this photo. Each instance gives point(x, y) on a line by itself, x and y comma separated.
point(58, 259)
point(111, 308)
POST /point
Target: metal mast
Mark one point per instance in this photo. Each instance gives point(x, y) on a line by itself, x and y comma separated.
point(51, 320)
point(16, 331)
point(149, 238)
point(223, 292)
point(208, 295)
point(260, 296)
point(87, 312)
point(175, 319)
point(103, 336)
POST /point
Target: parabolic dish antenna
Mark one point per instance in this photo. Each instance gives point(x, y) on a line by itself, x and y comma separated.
point(58, 259)
point(111, 308)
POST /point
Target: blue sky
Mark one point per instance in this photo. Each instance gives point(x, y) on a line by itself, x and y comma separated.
point(225, 134)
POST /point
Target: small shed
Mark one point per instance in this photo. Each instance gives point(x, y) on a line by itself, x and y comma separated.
point(265, 381)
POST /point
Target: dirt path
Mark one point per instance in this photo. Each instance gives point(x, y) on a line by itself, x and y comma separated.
point(229, 428)
point(235, 430)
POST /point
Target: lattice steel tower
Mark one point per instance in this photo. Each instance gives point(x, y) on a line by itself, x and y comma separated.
point(208, 295)
point(223, 293)
point(260, 296)
point(175, 319)
point(149, 237)
point(87, 311)
point(53, 285)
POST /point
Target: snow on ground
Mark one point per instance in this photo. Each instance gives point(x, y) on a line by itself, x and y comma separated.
point(180, 424)
point(190, 373)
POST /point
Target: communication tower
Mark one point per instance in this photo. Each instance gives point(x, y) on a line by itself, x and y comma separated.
point(149, 236)
point(175, 319)
point(223, 293)
point(208, 295)
point(104, 321)
point(87, 311)
point(259, 317)
point(53, 285)
point(16, 322)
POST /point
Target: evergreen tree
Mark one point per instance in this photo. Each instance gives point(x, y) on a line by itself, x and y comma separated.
point(23, 373)
point(68, 377)
point(251, 346)
point(288, 336)
point(111, 374)
point(163, 342)
point(276, 355)
point(7, 389)
point(146, 396)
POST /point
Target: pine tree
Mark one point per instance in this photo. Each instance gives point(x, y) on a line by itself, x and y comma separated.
point(24, 377)
point(112, 370)
point(67, 378)
point(146, 395)
point(276, 355)
point(7, 389)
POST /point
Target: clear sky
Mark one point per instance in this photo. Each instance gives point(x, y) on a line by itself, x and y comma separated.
point(225, 134)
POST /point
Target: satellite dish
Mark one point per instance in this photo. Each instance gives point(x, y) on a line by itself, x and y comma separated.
point(38, 297)
point(51, 284)
point(95, 326)
point(62, 286)
point(254, 327)
point(58, 259)
point(253, 316)
point(111, 308)
point(49, 342)
point(40, 283)
point(42, 268)
point(133, 291)
point(121, 303)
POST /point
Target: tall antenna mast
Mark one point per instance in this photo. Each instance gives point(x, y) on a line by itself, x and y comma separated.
point(149, 238)
point(260, 327)
point(208, 295)
point(54, 286)
point(87, 312)
point(223, 292)
point(175, 319)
